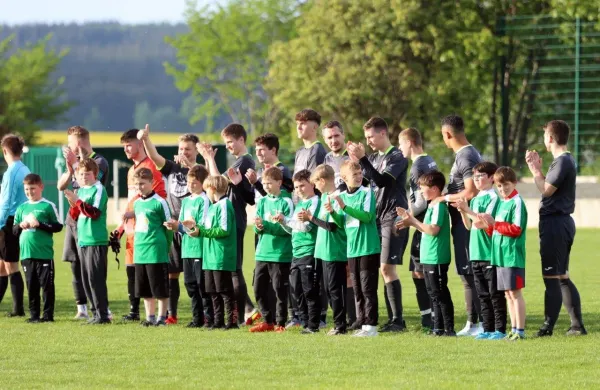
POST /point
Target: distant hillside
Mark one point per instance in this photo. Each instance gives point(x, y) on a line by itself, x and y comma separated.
point(112, 70)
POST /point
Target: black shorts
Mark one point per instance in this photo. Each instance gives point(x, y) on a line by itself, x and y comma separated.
point(152, 280)
point(415, 253)
point(393, 243)
point(510, 278)
point(70, 253)
point(175, 262)
point(9, 243)
point(217, 281)
point(460, 239)
point(557, 234)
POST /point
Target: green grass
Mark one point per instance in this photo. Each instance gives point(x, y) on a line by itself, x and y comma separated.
point(65, 354)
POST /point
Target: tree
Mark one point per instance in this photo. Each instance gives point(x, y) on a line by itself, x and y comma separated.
point(28, 94)
point(222, 60)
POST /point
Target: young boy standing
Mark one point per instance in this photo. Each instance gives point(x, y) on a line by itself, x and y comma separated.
point(219, 251)
point(508, 247)
point(357, 216)
point(330, 247)
point(88, 208)
point(435, 250)
point(305, 279)
point(151, 249)
point(273, 253)
point(493, 302)
point(193, 208)
point(35, 221)
point(410, 144)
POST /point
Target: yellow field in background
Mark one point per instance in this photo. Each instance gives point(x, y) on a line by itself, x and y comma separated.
point(110, 138)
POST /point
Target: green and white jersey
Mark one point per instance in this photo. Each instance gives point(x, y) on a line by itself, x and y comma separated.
point(304, 234)
point(36, 243)
point(480, 244)
point(92, 232)
point(330, 246)
point(508, 239)
point(219, 237)
point(274, 243)
point(194, 207)
point(436, 249)
point(360, 222)
point(150, 243)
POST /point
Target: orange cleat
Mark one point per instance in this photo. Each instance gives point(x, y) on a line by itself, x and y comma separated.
point(171, 320)
point(255, 316)
point(262, 327)
point(279, 329)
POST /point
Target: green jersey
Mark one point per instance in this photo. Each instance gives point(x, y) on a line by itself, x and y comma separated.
point(330, 245)
point(194, 207)
point(359, 219)
point(508, 239)
point(151, 243)
point(36, 243)
point(274, 243)
point(480, 244)
point(304, 234)
point(436, 249)
point(93, 232)
point(219, 237)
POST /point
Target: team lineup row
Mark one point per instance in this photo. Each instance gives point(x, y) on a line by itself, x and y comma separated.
point(323, 234)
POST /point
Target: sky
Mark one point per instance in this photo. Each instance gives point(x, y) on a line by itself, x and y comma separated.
point(65, 11)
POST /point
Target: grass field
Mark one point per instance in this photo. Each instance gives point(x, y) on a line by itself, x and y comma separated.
point(67, 355)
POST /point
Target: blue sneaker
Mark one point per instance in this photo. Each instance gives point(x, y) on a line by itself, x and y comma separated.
point(497, 335)
point(483, 336)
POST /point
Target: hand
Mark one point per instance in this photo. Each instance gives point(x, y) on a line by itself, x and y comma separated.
point(358, 150)
point(486, 218)
point(171, 224)
point(34, 223)
point(115, 234)
point(403, 224)
point(69, 156)
point(24, 225)
point(462, 205)
point(407, 218)
point(183, 161)
point(71, 197)
point(328, 207)
point(235, 176)
point(252, 176)
point(278, 218)
point(304, 215)
point(206, 150)
point(258, 222)
point(479, 224)
point(339, 201)
point(534, 162)
point(144, 133)
point(189, 224)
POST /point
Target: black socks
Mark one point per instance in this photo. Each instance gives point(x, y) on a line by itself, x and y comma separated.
point(394, 296)
point(552, 302)
point(173, 296)
point(18, 288)
point(134, 303)
point(424, 302)
point(350, 305)
point(572, 302)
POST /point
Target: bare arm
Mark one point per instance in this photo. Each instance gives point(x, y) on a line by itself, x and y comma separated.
point(151, 151)
point(431, 230)
point(65, 179)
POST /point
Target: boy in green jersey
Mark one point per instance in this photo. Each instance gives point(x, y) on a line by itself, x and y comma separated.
point(193, 208)
point(306, 271)
point(88, 208)
point(273, 253)
point(35, 222)
point(152, 241)
point(357, 217)
point(330, 247)
point(508, 247)
point(434, 250)
point(493, 302)
point(219, 250)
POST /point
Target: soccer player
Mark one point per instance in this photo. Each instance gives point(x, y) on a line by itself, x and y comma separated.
point(357, 217)
point(308, 271)
point(386, 170)
point(12, 195)
point(35, 222)
point(134, 151)
point(78, 147)
point(267, 150)
point(176, 174)
point(330, 248)
point(435, 250)
point(557, 228)
point(234, 136)
point(219, 251)
point(461, 186)
point(333, 134)
point(493, 301)
point(151, 248)
point(88, 208)
point(273, 253)
point(193, 208)
point(508, 247)
point(410, 144)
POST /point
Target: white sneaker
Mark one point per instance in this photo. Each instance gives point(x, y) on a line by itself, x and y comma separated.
point(479, 329)
point(367, 331)
point(110, 315)
point(81, 316)
point(467, 330)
